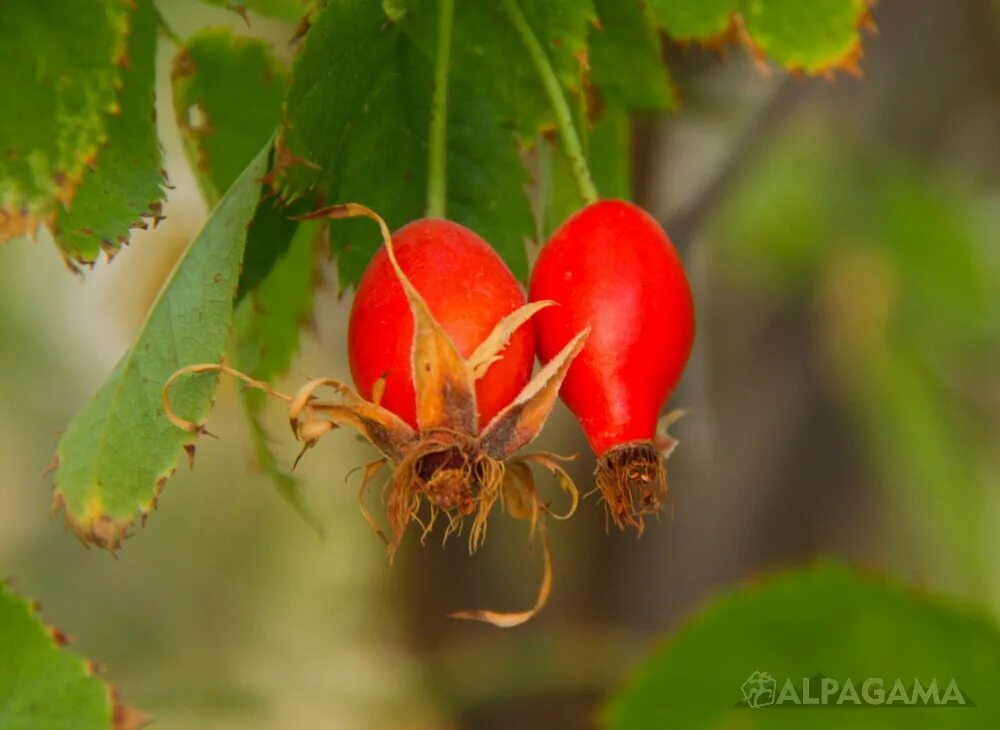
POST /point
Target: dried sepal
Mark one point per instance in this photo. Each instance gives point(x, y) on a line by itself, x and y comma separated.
point(446, 397)
point(309, 417)
point(190, 426)
point(382, 428)
point(509, 619)
point(489, 350)
point(446, 469)
point(520, 422)
point(551, 462)
point(518, 490)
point(369, 472)
point(632, 479)
point(454, 478)
point(663, 441)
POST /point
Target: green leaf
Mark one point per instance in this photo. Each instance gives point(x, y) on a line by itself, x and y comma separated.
point(269, 236)
point(486, 178)
point(119, 450)
point(626, 61)
point(384, 160)
point(562, 27)
point(267, 321)
point(815, 37)
point(228, 91)
point(611, 154)
point(348, 46)
point(41, 684)
point(124, 186)
point(488, 56)
point(362, 133)
point(702, 20)
point(812, 37)
point(826, 620)
point(60, 81)
point(266, 339)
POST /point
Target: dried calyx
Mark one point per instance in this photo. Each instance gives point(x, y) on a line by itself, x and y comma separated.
point(446, 468)
point(632, 478)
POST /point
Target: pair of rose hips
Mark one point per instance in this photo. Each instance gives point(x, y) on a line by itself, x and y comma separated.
point(610, 268)
point(441, 345)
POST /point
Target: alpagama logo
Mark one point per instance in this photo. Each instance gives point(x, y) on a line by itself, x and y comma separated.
point(761, 690)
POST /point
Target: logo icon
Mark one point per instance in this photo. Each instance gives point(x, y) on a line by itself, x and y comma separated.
point(759, 690)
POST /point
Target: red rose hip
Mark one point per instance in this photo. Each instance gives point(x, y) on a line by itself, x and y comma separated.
point(613, 268)
point(468, 289)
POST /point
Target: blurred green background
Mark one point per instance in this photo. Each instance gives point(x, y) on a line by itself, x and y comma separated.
point(843, 241)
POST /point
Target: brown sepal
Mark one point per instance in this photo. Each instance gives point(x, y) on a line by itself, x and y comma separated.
point(446, 397)
point(520, 422)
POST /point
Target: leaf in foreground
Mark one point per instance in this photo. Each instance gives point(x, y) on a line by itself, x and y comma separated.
point(44, 686)
point(119, 450)
point(826, 620)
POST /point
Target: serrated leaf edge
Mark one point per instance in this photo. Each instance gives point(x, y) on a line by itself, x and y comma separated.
point(123, 717)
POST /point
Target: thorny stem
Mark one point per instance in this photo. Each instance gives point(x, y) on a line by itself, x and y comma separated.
point(564, 117)
point(436, 175)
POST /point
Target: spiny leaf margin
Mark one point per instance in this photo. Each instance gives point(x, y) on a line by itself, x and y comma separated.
point(119, 451)
point(124, 186)
point(44, 686)
point(816, 38)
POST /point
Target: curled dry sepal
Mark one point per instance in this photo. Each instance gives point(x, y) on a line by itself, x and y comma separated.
point(446, 468)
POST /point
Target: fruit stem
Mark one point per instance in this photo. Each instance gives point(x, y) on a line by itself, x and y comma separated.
point(564, 117)
point(436, 175)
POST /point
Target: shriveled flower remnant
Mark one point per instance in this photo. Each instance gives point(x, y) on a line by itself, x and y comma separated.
point(447, 468)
